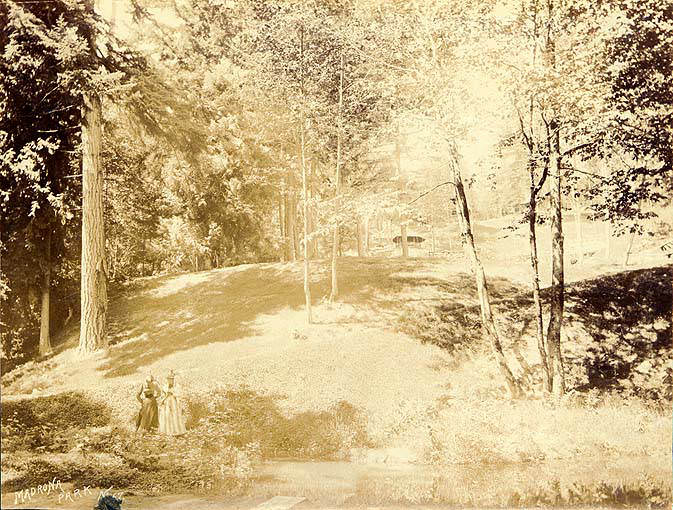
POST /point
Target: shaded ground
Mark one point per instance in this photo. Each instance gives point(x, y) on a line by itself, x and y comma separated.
point(240, 333)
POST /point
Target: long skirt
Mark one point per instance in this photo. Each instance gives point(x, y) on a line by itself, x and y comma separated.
point(170, 417)
point(148, 417)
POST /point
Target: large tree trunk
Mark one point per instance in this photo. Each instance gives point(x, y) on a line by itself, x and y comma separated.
point(488, 323)
point(93, 329)
point(535, 277)
point(337, 185)
point(554, 358)
point(45, 342)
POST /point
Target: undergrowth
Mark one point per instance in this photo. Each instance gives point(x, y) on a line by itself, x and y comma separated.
point(69, 437)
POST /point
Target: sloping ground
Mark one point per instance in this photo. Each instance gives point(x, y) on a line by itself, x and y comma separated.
point(244, 328)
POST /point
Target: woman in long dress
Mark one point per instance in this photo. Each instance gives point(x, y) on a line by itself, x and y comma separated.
point(148, 417)
point(170, 412)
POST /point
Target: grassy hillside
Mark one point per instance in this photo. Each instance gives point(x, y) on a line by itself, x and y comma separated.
point(396, 372)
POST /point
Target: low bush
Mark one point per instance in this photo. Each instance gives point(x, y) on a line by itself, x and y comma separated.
point(62, 411)
point(95, 471)
point(448, 326)
point(240, 418)
point(47, 424)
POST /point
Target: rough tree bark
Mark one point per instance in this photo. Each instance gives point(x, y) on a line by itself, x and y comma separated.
point(488, 323)
point(93, 328)
point(337, 185)
point(45, 341)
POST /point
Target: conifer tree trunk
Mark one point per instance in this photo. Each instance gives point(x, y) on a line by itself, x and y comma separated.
point(93, 328)
point(45, 341)
point(488, 322)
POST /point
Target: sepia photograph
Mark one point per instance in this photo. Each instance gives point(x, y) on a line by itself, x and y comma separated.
point(336, 254)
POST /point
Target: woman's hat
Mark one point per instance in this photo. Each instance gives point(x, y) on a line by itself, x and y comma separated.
point(171, 374)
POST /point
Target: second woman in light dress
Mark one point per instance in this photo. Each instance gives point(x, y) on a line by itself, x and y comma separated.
point(170, 412)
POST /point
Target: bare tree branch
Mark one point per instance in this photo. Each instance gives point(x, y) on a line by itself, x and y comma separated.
point(430, 191)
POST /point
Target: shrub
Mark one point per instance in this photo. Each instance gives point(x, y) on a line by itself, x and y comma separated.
point(95, 471)
point(48, 423)
point(62, 411)
point(240, 418)
point(446, 326)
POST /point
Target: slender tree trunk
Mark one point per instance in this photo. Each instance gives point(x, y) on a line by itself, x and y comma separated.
point(403, 239)
point(488, 322)
point(432, 235)
point(628, 250)
point(367, 236)
point(289, 228)
point(535, 277)
point(307, 268)
point(281, 226)
point(292, 226)
point(403, 226)
point(554, 357)
point(45, 341)
point(359, 238)
point(312, 211)
point(93, 329)
point(304, 182)
point(337, 185)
